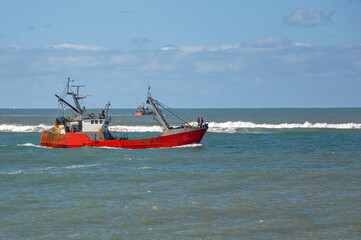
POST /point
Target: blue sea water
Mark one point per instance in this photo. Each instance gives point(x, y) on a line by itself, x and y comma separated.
point(257, 174)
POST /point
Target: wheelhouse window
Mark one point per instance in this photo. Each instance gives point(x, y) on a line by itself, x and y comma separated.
point(101, 121)
point(92, 121)
point(96, 121)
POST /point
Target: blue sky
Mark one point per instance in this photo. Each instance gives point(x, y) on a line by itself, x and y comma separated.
point(193, 53)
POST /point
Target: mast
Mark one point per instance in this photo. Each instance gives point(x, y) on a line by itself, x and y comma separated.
point(76, 97)
point(76, 102)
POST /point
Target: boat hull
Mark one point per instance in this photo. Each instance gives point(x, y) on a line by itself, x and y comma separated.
point(73, 140)
point(143, 114)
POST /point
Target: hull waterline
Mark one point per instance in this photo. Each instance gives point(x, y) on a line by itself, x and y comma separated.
point(73, 140)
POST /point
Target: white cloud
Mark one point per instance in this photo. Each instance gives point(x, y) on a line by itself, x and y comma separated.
point(309, 18)
point(168, 48)
point(196, 49)
point(155, 66)
point(267, 42)
point(210, 68)
point(16, 48)
point(229, 46)
point(192, 49)
point(301, 44)
point(78, 47)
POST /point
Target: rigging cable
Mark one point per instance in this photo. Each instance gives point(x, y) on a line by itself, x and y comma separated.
point(165, 107)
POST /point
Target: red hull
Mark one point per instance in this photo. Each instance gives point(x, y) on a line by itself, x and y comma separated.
point(142, 114)
point(71, 140)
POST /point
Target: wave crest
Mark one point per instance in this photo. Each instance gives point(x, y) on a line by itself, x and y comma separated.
point(135, 128)
point(215, 127)
point(31, 145)
point(231, 127)
point(23, 128)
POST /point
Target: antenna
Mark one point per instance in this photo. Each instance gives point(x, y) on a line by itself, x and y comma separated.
point(77, 89)
point(149, 91)
point(67, 85)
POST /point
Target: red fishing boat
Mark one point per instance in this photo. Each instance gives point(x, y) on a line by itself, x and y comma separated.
point(143, 110)
point(83, 129)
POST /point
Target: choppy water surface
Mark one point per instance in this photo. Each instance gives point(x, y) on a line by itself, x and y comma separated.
point(258, 174)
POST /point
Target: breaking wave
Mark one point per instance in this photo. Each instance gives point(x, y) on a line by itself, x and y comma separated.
point(135, 128)
point(23, 128)
point(31, 145)
point(81, 166)
point(215, 127)
point(231, 127)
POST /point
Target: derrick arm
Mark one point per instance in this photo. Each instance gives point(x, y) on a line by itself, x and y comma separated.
point(62, 100)
point(164, 124)
point(76, 102)
point(105, 110)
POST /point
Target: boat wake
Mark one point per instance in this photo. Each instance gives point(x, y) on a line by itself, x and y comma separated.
point(190, 145)
point(215, 127)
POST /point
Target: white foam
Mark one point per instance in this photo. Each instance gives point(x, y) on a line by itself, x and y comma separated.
point(109, 147)
point(31, 145)
point(42, 127)
point(231, 127)
point(135, 128)
point(15, 172)
point(31, 171)
point(23, 128)
point(145, 168)
point(81, 166)
point(216, 127)
point(190, 145)
point(47, 168)
point(43, 170)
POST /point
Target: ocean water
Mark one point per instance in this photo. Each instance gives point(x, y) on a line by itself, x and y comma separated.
point(257, 174)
